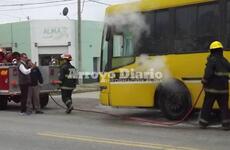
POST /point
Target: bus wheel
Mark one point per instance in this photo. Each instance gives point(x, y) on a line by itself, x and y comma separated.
point(174, 99)
point(44, 99)
point(3, 102)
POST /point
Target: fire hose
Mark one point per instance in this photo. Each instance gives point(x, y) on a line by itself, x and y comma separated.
point(152, 122)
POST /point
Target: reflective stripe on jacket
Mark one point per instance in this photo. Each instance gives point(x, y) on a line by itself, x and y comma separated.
point(221, 74)
point(216, 74)
point(216, 91)
point(66, 82)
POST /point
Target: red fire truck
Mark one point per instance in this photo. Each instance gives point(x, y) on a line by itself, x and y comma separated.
point(9, 88)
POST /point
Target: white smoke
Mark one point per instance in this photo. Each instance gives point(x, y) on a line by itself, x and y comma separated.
point(158, 63)
point(135, 23)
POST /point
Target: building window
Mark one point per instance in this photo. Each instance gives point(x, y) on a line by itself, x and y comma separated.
point(96, 64)
point(48, 59)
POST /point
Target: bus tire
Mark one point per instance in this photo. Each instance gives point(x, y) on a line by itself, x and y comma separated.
point(44, 99)
point(3, 102)
point(174, 99)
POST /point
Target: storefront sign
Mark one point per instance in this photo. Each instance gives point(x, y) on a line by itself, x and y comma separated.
point(55, 33)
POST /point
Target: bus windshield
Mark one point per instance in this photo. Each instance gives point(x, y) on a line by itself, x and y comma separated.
point(117, 48)
point(121, 39)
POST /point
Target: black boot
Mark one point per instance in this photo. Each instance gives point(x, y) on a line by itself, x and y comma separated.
point(69, 109)
point(226, 126)
point(203, 125)
point(69, 106)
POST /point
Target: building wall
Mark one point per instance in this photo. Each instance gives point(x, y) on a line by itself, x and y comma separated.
point(21, 37)
point(54, 36)
point(17, 36)
point(91, 43)
point(5, 35)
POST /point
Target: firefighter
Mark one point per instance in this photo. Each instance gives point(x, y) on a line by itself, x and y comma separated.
point(68, 83)
point(215, 83)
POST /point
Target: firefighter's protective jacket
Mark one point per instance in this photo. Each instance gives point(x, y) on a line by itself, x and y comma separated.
point(68, 81)
point(216, 75)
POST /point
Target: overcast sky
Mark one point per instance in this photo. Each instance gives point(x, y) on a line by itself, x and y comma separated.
point(27, 9)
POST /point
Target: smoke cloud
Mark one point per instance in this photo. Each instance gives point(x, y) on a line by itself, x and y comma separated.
point(158, 63)
point(134, 23)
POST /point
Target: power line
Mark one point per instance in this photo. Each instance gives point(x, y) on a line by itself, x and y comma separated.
point(37, 7)
point(38, 3)
point(11, 16)
point(51, 2)
point(107, 4)
point(25, 5)
point(53, 5)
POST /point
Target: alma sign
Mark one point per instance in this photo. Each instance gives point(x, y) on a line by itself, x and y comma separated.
point(55, 33)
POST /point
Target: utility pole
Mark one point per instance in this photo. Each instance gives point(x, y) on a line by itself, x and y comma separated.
point(79, 35)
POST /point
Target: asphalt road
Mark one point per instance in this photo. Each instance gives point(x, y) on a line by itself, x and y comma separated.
point(56, 130)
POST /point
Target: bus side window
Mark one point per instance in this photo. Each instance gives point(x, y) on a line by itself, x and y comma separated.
point(185, 29)
point(162, 31)
point(228, 26)
point(208, 25)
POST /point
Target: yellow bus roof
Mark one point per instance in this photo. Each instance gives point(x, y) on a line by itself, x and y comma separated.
point(147, 5)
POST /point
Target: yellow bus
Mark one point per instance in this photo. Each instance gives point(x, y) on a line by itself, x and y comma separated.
point(171, 37)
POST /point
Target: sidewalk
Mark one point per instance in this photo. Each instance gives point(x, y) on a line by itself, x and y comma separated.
point(90, 87)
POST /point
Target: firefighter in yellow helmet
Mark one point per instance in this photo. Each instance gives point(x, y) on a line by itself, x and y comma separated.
point(68, 81)
point(216, 87)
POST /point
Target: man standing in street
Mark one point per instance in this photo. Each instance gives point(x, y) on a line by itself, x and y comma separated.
point(216, 87)
point(24, 80)
point(34, 89)
point(68, 83)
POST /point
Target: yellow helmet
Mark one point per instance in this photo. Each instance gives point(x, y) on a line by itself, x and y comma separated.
point(216, 45)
